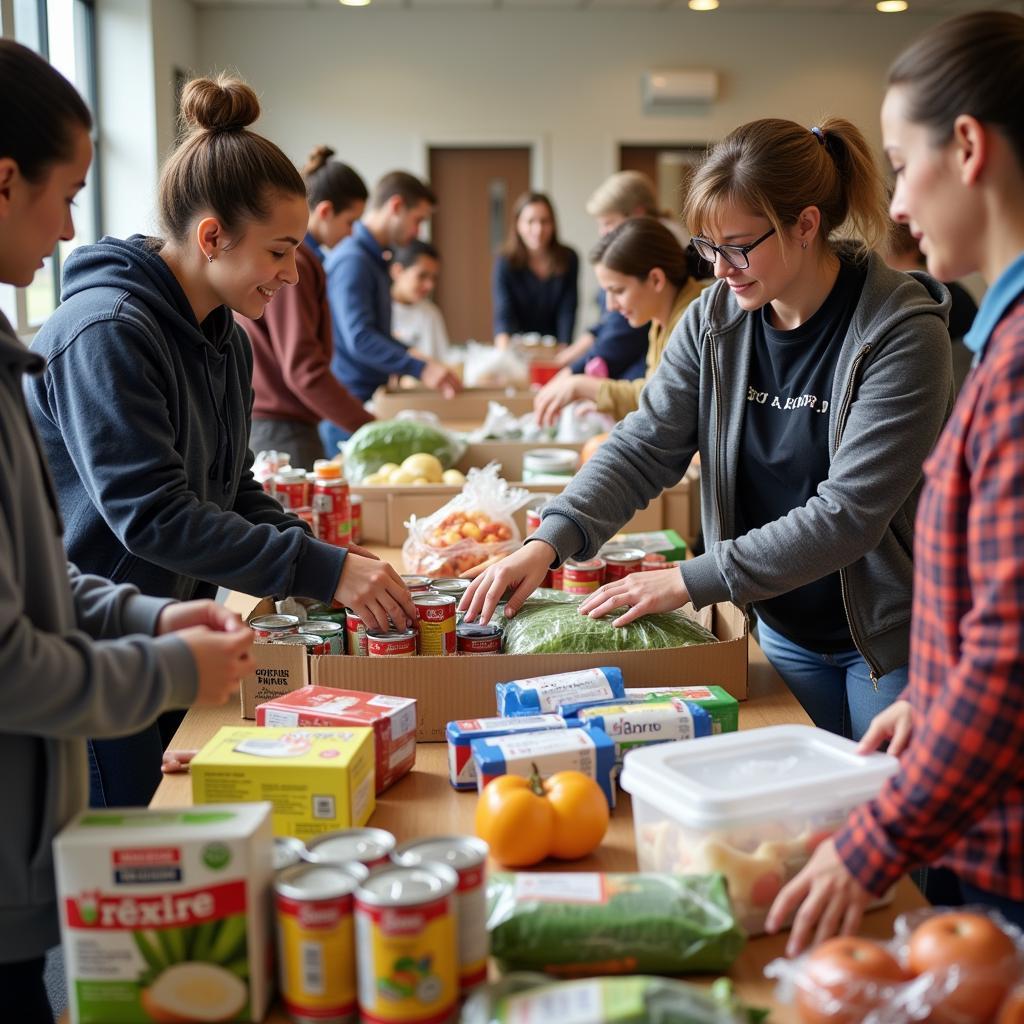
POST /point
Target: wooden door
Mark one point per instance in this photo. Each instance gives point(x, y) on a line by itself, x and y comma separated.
point(476, 189)
point(667, 165)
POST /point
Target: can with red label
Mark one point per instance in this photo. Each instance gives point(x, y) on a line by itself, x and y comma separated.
point(370, 847)
point(437, 623)
point(583, 577)
point(555, 578)
point(332, 512)
point(417, 584)
point(622, 563)
point(355, 634)
point(467, 857)
point(534, 507)
point(478, 638)
point(332, 632)
point(653, 561)
point(291, 489)
point(356, 506)
point(268, 627)
point(314, 645)
point(399, 643)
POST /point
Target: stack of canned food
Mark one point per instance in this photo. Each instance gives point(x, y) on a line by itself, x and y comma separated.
point(439, 631)
point(387, 932)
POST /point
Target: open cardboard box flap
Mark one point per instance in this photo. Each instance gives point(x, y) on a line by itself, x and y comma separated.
point(463, 687)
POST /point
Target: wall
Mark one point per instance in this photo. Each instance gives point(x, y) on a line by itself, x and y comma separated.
point(381, 85)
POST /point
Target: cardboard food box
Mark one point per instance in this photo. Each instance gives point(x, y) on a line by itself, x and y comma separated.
point(469, 404)
point(392, 719)
point(453, 687)
point(318, 780)
point(163, 914)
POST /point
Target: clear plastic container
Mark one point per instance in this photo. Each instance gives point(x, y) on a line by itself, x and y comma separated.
point(752, 805)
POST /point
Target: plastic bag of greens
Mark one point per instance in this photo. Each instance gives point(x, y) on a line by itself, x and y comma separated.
point(636, 999)
point(547, 627)
point(579, 924)
point(391, 442)
point(475, 525)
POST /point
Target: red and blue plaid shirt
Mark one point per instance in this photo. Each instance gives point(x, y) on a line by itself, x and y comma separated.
point(958, 798)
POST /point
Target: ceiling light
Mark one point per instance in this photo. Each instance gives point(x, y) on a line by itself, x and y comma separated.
point(703, 5)
point(891, 6)
point(354, 3)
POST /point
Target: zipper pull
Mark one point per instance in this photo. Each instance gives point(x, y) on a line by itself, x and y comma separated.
point(874, 679)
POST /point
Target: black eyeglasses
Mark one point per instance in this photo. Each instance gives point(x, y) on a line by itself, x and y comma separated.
point(735, 255)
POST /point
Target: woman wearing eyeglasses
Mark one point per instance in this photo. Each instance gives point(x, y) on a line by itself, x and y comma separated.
point(813, 380)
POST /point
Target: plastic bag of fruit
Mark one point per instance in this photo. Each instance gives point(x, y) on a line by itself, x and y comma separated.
point(961, 965)
point(474, 526)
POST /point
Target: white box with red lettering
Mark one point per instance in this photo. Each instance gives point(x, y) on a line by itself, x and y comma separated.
point(393, 720)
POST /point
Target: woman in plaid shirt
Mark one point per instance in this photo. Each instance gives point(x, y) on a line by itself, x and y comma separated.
point(954, 133)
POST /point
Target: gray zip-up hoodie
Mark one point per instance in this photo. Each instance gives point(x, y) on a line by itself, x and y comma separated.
point(891, 393)
point(57, 684)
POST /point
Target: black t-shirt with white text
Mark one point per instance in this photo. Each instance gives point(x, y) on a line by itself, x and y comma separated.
point(784, 452)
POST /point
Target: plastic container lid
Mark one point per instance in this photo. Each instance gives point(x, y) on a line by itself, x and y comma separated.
point(772, 772)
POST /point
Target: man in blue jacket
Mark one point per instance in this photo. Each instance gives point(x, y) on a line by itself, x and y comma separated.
point(366, 354)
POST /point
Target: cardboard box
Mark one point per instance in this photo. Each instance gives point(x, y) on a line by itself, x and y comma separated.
point(393, 720)
point(318, 780)
point(449, 688)
point(470, 404)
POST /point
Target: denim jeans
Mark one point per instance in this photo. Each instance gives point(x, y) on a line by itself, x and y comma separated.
point(331, 434)
point(834, 689)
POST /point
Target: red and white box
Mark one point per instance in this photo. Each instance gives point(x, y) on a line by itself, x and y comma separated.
point(393, 720)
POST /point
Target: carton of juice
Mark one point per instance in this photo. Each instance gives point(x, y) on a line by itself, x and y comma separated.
point(164, 914)
point(318, 780)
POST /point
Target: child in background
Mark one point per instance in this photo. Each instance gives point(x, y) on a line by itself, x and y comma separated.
point(65, 675)
point(415, 320)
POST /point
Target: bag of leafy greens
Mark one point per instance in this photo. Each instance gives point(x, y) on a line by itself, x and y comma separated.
point(548, 627)
point(578, 924)
point(636, 999)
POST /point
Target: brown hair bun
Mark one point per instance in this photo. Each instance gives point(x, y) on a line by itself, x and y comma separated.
point(318, 156)
point(223, 104)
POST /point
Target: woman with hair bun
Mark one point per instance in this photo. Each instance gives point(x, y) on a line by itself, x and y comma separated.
point(813, 380)
point(292, 343)
point(144, 408)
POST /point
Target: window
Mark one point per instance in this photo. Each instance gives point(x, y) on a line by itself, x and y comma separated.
point(63, 32)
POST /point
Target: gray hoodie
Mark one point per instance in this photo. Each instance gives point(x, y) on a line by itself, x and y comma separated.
point(891, 393)
point(57, 684)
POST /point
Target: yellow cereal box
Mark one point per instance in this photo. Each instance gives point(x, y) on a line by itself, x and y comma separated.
point(316, 779)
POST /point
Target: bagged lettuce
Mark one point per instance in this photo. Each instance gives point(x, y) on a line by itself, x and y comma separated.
point(636, 999)
point(550, 627)
point(578, 924)
point(376, 444)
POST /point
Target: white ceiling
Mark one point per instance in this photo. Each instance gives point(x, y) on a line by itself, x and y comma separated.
point(930, 7)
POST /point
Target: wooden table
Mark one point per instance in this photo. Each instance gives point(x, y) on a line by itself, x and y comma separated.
point(423, 803)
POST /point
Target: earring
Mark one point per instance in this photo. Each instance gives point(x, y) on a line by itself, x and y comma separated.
point(209, 255)
point(803, 245)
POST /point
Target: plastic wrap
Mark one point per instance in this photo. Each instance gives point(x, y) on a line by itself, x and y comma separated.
point(549, 627)
point(392, 441)
point(490, 367)
point(636, 999)
point(475, 525)
point(578, 924)
point(956, 995)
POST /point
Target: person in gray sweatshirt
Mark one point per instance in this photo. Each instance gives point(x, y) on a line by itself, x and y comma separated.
point(144, 409)
point(813, 380)
point(80, 656)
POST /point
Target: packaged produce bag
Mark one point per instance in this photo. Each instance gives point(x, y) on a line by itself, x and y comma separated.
point(574, 924)
point(549, 627)
point(391, 442)
point(475, 525)
point(534, 999)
